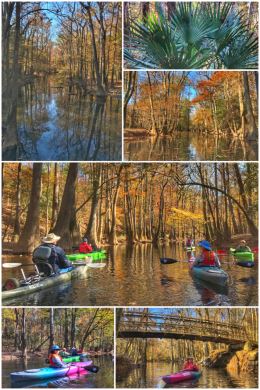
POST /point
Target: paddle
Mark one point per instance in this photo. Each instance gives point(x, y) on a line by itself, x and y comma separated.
point(92, 368)
point(169, 260)
point(96, 265)
point(11, 265)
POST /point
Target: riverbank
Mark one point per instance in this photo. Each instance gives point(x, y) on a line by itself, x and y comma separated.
point(7, 356)
point(9, 248)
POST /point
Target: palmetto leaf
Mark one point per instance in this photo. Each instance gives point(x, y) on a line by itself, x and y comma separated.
point(189, 24)
point(241, 54)
point(212, 36)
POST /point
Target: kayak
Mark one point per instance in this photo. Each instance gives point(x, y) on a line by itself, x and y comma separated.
point(93, 255)
point(247, 264)
point(181, 376)
point(213, 275)
point(65, 275)
point(243, 256)
point(49, 372)
point(70, 359)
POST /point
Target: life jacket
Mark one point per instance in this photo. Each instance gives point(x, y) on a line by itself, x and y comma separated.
point(52, 363)
point(85, 248)
point(208, 258)
point(190, 367)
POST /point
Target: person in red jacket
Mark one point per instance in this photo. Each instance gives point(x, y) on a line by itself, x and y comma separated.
point(85, 247)
point(207, 257)
point(189, 365)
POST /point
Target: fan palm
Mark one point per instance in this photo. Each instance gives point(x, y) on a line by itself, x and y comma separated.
point(210, 36)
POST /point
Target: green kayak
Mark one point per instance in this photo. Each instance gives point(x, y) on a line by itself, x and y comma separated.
point(93, 255)
point(242, 256)
point(70, 359)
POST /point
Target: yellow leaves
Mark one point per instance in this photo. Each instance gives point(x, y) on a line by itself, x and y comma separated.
point(180, 215)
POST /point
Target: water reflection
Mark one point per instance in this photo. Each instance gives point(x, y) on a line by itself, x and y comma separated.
point(150, 375)
point(135, 276)
point(103, 379)
point(56, 121)
point(188, 146)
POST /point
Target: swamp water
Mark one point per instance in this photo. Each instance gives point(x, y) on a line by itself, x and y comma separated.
point(149, 376)
point(103, 379)
point(188, 146)
point(57, 122)
point(133, 275)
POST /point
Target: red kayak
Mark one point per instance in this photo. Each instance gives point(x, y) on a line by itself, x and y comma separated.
point(181, 376)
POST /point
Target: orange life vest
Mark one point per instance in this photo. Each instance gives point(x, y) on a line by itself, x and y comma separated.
point(52, 363)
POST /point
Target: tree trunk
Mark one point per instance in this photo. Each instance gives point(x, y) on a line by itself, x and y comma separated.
point(62, 226)
point(30, 235)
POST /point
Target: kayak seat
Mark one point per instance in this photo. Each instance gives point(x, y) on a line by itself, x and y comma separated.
point(44, 268)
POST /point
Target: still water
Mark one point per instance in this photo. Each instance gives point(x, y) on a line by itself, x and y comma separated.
point(150, 377)
point(103, 379)
point(188, 146)
point(134, 276)
point(56, 121)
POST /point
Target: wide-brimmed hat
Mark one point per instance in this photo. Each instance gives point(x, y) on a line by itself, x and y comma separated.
point(205, 244)
point(50, 238)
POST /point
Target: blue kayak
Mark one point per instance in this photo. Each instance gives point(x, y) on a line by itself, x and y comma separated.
point(50, 372)
point(213, 275)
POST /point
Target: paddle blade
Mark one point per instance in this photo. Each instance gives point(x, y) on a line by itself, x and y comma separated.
point(168, 260)
point(11, 265)
point(92, 368)
point(96, 265)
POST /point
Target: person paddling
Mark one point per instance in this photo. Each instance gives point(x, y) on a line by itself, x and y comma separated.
point(242, 247)
point(189, 365)
point(189, 242)
point(207, 257)
point(55, 359)
point(52, 253)
point(85, 247)
point(64, 353)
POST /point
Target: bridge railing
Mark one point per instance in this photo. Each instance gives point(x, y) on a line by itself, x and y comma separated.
point(182, 326)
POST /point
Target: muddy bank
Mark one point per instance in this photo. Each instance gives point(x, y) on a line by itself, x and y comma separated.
point(234, 358)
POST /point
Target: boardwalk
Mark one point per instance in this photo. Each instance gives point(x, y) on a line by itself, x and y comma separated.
point(136, 324)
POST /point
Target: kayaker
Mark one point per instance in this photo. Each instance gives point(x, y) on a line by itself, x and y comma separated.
point(189, 365)
point(85, 247)
point(189, 242)
point(54, 357)
point(56, 256)
point(242, 247)
point(74, 351)
point(207, 257)
point(64, 353)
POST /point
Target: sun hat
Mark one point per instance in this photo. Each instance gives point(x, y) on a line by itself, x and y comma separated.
point(50, 238)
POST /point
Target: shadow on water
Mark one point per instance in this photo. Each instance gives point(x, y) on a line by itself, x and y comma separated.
point(55, 121)
point(103, 379)
point(189, 146)
point(150, 375)
point(134, 276)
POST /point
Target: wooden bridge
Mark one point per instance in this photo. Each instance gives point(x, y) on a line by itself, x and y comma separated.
point(135, 324)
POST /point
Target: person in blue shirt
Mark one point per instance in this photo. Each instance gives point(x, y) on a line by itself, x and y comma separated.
point(55, 256)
